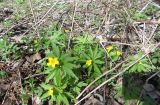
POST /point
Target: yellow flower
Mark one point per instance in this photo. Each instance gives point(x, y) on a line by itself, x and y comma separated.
point(109, 48)
point(140, 62)
point(118, 53)
point(52, 62)
point(66, 30)
point(50, 92)
point(88, 62)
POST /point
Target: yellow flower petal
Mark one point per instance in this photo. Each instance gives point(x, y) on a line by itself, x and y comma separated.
point(88, 62)
point(66, 30)
point(50, 92)
point(140, 62)
point(52, 62)
point(109, 48)
point(118, 53)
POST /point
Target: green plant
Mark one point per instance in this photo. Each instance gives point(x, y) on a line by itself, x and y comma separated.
point(142, 66)
point(114, 52)
point(3, 74)
point(60, 65)
point(20, 1)
point(7, 23)
point(59, 70)
point(93, 59)
point(140, 16)
point(82, 43)
point(7, 49)
point(155, 57)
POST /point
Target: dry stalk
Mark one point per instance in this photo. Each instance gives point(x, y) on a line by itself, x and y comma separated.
point(34, 17)
point(71, 34)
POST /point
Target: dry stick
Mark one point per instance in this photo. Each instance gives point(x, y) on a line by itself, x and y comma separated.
point(78, 25)
point(34, 17)
point(105, 73)
point(41, 20)
point(13, 27)
point(32, 76)
point(71, 34)
point(115, 76)
point(145, 6)
point(152, 76)
point(152, 34)
point(120, 43)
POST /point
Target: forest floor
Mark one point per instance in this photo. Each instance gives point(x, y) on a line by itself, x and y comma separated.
point(79, 52)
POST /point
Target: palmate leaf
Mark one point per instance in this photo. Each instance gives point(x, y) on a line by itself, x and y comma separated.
point(96, 69)
point(81, 84)
point(67, 58)
point(86, 39)
point(70, 95)
point(98, 55)
point(86, 56)
point(77, 90)
point(133, 68)
point(68, 68)
point(69, 72)
point(148, 66)
point(141, 68)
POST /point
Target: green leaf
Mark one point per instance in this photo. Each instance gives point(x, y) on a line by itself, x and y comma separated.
point(148, 66)
point(65, 100)
point(96, 69)
point(98, 55)
point(69, 71)
point(77, 90)
point(62, 98)
point(58, 78)
point(56, 50)
point(70, 95)
point(99, 62)
point(86, 56)
point(50, 76)
point(89, 70)
point(67, 58)
point(133, 68)
point(95, 51)
point(154, 60)
point(91, 52)
point(44, 86)
point(141, 68)
point(45, 95)
point(81, 84)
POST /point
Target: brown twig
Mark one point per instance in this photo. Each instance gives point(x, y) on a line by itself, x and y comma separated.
point(41, 20)
point(71, 34)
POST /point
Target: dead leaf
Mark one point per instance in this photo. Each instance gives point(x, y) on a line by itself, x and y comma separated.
point(17, 39)
point(36, 56)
